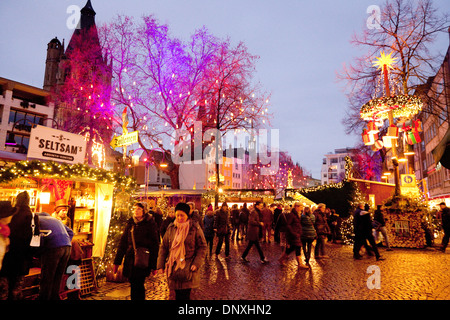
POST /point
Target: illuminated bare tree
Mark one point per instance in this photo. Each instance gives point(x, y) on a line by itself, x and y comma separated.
point(168, 85)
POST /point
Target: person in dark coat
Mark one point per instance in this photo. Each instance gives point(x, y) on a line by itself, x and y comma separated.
point(276, 214)
point(222, 225)
point(208, 225)
point(195, 214)
point(293, 235)
point(322, 229)
point(254, 225)
point(243, 219)
point(17, 260)
point(157, 215)
point(235, 221)
point(267, 219)
point(333, 224)
point(362, 224)
point(308, 233)
point(146, 235)
point(445, 214)
point(167, 221)
point(182, 253)
point(380, 222)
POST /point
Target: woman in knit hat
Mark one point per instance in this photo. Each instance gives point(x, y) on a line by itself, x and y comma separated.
point(146, 235)
point(182, 253)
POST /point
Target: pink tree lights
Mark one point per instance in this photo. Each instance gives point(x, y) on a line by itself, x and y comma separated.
point(169, 85)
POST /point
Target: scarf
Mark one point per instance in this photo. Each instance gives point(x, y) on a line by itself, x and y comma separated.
point(178, 250)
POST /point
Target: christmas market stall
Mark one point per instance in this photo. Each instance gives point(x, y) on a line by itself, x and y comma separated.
point(239, 196)
point(165, 198)
point(89, 194)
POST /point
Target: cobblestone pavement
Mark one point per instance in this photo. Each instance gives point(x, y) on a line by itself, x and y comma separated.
point(405, 274)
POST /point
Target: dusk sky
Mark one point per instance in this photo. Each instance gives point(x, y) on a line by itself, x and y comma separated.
point(301, 44)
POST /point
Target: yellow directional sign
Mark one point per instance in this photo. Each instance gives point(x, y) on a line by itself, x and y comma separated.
point(125, 139)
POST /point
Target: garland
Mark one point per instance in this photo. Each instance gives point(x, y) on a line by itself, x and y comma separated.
point(401, 105)
point(39, 169)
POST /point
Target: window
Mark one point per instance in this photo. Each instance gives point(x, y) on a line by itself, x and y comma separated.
point(402, 228)
point(22, 141)
point(17, 115)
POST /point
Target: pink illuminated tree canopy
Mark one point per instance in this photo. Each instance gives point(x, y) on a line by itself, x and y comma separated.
point(168, 84)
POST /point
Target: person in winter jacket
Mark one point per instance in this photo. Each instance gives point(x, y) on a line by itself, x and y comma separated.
point(222, 225)
point(208, 225)
point(322, 229)
point(254, 225)
point(267, 219)
point(182, 253)
point(362, 223)
point(145, 231)
point(309, 233)
point(293, 235)
point(235, 221)
point(55, 255)
point(243, 219)
point(167, 221)
point(445, 214)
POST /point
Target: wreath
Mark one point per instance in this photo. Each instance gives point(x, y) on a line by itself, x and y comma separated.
point(401, 105)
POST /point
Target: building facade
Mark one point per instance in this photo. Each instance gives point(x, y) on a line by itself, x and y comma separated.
point(333, 165)
point(433, 178)
point(21, 107)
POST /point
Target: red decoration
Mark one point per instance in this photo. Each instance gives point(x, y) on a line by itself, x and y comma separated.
point(372, 128)
point(377, 145)
point(368, 139)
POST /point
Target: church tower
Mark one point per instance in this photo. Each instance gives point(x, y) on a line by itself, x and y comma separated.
point(85, 37)
point(55, 50)
point(79, 77)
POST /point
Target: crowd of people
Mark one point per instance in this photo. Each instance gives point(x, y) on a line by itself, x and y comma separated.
point(186, 238)
point(178, 243)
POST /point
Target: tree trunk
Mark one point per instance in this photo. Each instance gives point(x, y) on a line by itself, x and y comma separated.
point(174, 175)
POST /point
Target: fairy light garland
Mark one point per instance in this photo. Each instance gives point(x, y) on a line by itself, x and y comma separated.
point(63, 171)
point(402, 106)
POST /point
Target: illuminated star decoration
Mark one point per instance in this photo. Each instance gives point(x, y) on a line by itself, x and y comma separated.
point(384, 60)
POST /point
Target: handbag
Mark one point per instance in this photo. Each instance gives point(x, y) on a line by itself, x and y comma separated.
point(376, 224)
point(141, 254)
point(35, 238)
point(182, 274)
